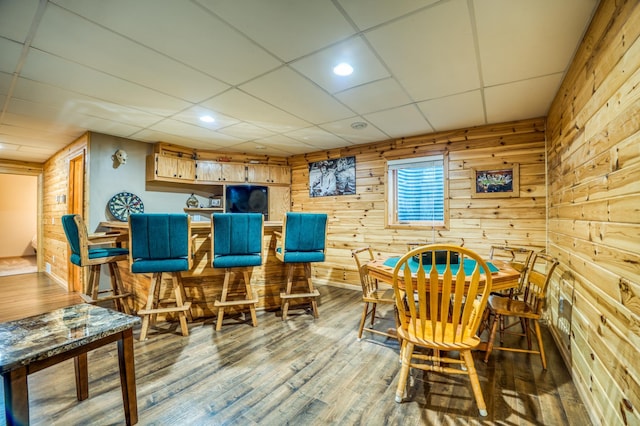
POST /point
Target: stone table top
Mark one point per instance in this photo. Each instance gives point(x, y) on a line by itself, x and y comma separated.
point(42, 336)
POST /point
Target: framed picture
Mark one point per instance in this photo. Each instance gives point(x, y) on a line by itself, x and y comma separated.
point(497, 182)
point(332, 177)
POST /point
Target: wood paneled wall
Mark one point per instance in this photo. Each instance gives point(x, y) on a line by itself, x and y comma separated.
point(55, 205)
point(359, 220)
point(594, 221)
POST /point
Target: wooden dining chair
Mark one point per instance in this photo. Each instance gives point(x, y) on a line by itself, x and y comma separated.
point(160, 243)
point(236, 246)
point(435, 312)
point(527, 308)
point(303, 240)
point(372, 294)
point(92, 256)
point(518, 258)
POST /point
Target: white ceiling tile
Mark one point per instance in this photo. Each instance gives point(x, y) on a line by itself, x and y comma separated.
point(251, 148)
point(286, 89)
point(16, 18)
point(431, 53)
point(318, 138)
point(319, 66)
point(55, 71)
point(184, 31)
point(194, 132)
point(275, 145)
point(67, 102)
point(344, 130)
point(511, 49)
point(368, 13)
point(402, 121)
point(246, 131)
point(375, 96)
point(289, 29)
point(152, 136)
point(520, 100)
point(454, 112)
point(244, 107)
point(95, 47)
point(10, 54)
point(192, 116)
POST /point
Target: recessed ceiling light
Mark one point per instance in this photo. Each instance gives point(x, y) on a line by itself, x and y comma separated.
point(207, 119)
point(261, 147)
point(343, 69)
point(358, 125)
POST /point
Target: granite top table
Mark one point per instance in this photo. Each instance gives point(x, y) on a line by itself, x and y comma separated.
point(32, 344)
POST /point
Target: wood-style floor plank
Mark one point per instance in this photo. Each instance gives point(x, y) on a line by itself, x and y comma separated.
point(301, 371)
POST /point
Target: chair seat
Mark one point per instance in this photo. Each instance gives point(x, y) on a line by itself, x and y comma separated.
point(380, 296)
point(411, 334)
point(503, 305)
point(237, 260)
point(98, 253)
point(160, 265)
point(302, 256)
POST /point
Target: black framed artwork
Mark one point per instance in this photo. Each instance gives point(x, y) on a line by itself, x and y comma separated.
point(332, 177)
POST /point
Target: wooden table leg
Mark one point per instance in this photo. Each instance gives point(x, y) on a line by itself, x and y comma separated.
point(128, 377)
point(16, 397)
point(82, 376)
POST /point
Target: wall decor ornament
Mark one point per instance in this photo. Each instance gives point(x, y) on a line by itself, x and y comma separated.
point(502, 181)
point(332, 177)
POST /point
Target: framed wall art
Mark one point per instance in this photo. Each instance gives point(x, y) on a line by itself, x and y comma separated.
point(332, 177)
point(502, 181)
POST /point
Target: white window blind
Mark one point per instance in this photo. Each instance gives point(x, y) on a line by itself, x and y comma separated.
point(419, 189)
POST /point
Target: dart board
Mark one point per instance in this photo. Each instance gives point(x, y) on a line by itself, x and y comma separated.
point(124, 203)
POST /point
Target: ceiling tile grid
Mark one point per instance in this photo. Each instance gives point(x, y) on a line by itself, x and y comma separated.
point(262, 70)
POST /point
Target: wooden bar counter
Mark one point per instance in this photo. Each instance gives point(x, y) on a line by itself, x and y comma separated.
point(203, 283)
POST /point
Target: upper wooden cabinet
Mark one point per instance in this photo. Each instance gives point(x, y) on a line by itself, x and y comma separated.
point(263, 173)
point(214, 171)
point(160, 167)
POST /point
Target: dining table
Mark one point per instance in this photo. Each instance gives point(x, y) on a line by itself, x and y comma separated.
point(503, 276)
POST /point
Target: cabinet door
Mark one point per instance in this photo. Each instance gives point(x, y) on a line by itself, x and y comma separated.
point(166, 167)
point(186, 168)
point(280, 174)
point(279, 202)
point(208, 171)
point(233, 172)
point(258, 173)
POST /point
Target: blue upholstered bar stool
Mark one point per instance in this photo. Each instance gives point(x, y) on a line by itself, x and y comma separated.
point(84, 255)
point(236, 246)
point(302, 241)
point(158, 243)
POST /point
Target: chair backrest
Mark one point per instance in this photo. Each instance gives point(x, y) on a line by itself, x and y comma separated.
point(519, 258)
point(236, 239)
point(441, 302)
point(157, 238)
point(76, 232)
point(369, 285)
point(534, 290)
point(306, 233)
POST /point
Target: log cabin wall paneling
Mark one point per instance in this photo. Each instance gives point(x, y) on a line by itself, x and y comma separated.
point(55, 199)
point(594, 221)
point(359, 220)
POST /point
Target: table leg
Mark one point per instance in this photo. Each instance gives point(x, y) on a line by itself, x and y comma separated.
point(128, 377)
point(82, 376)
point(16, 397)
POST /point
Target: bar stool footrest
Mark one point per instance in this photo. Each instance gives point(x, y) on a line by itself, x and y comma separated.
point(315, 293)
point(182, 308)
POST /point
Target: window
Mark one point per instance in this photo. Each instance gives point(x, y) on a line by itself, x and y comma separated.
point(417, 189)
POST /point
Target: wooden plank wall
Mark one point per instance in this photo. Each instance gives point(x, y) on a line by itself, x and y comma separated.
point(358, 220)
point(56, 185)
point(594, 221)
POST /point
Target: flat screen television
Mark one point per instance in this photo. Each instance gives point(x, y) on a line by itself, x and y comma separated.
point(247, 199)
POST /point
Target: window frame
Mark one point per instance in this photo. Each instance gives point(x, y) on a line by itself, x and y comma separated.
point(391, 202)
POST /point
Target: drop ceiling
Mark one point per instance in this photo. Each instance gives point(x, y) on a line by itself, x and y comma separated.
point(149, 69)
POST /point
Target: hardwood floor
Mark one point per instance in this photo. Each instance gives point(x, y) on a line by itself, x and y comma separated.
point(301, 371)
point(18, 265)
